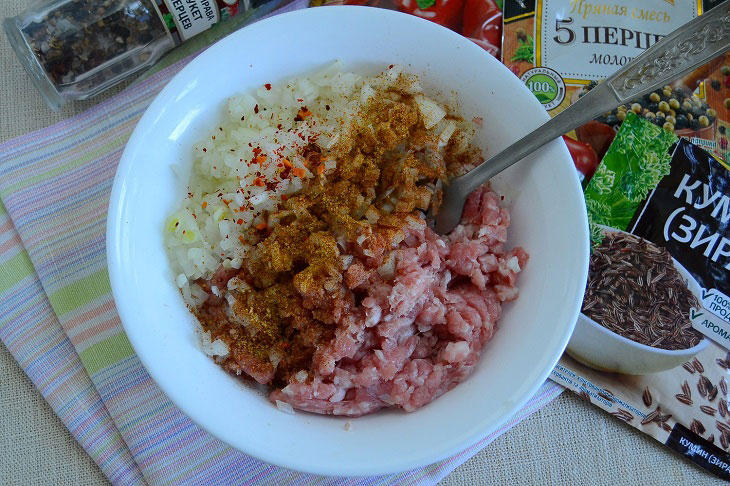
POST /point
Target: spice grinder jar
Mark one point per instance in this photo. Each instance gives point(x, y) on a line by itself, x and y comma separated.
point(75, 49)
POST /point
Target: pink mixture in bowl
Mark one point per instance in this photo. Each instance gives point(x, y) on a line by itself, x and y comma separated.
point(420, 332)
point(342, 299)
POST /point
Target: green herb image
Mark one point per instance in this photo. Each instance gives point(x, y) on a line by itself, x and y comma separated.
point(526, 49)
point(603, 179)
point(169, 22)
point(636, 161)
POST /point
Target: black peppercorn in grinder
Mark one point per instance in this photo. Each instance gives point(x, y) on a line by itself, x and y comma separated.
point(75, 49)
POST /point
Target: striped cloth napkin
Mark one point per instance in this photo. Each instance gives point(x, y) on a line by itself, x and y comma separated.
point(57, 315)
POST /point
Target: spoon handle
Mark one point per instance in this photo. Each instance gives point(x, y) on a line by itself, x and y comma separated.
point(688, 47)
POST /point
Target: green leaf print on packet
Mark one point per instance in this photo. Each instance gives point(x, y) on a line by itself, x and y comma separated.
point(636, 161)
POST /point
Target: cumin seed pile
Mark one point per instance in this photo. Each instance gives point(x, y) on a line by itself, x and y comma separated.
point(635, 290)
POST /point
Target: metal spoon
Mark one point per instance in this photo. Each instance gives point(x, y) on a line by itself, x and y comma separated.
point(687, 48)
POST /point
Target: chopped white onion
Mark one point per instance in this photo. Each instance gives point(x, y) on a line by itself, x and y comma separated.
point(346, 261)
point(446, 133)
point(285, 407)
point(259, 199)
point(274, 358)
point(301, 376)
point(372, 215)
point(181, 280)
point(431, 111)
point(219, 348)
point(338, 396)
point(514, 264)
point(387, 268)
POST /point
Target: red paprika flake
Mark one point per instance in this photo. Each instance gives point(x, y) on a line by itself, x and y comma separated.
point(267, 86)
point(256, 108)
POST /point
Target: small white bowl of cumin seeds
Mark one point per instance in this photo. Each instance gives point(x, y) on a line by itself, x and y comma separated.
point(619, 295)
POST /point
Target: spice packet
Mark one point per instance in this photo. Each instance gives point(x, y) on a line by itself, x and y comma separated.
point(651, 343)
point(561, 49)
point(478, 20)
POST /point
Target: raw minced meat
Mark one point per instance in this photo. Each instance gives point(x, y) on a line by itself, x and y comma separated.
point(420, 333)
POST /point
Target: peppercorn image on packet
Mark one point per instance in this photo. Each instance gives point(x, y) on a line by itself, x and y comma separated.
point(561, 49)
point(651, 343)
point(696, 107)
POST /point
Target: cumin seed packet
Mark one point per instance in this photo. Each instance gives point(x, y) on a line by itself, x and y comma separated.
point(651, 343)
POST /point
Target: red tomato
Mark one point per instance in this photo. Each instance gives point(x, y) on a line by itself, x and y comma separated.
point(493, 50)
point(483, 24)
point(443, 12)
point(598, 135)
point(584, 157)
point(483, 20)
point(370, 3)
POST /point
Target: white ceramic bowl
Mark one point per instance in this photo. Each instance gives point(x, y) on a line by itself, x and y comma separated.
point(604, 350)
point(548, 219)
